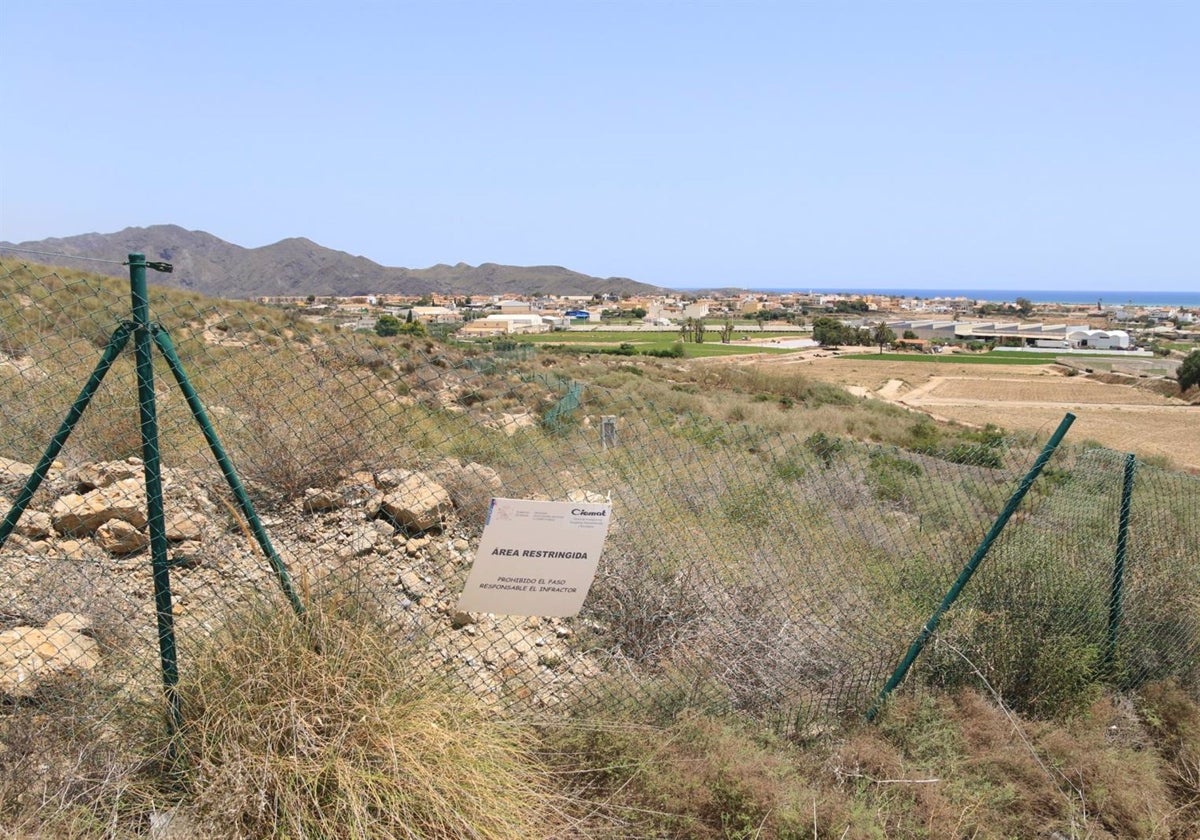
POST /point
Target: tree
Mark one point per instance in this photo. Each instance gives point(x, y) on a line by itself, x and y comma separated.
point(1189, 371)
point(638, 312)
point(830, 332)
point(882, 335)
point(909, 334)
point(693, 328)
point(388, 325)
point(1024, 306)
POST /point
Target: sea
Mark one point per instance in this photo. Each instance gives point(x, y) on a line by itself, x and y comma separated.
point(1186, 300)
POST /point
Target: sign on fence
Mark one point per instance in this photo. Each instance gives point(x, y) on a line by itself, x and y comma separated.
point(536, 558)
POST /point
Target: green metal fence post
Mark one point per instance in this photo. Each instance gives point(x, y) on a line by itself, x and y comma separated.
point(918, 644)
point(1116, 596)
point(116, 343)
point(152, 469)
point(163, 340)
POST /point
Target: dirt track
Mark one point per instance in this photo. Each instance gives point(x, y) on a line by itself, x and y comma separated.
point(1030, 398)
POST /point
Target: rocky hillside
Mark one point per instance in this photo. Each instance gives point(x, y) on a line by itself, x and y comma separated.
point(210, 265)
point(397, 531)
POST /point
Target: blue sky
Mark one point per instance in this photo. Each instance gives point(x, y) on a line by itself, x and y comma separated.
point(953, 145)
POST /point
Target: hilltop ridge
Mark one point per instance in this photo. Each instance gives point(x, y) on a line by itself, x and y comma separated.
point(298, 266)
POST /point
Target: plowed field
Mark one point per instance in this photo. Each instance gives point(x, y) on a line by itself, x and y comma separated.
point(1022, 398)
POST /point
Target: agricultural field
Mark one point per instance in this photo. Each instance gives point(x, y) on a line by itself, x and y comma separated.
point(1123, 414)
point(647, 340)
point(1026, 392)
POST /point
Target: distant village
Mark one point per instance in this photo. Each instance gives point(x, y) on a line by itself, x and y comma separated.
point(921, 321)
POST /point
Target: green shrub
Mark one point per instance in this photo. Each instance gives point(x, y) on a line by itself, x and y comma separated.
point(889, 475)
point(824, 446)
point(791, 465)
point(744, 506)
point(973, 455)
point(675, 351)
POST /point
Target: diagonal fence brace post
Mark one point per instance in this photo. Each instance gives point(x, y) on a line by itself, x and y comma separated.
point(918, 644)
point(163, 340)
point(116, 343)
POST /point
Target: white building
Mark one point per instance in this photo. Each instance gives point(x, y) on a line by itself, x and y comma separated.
point(1100, 339)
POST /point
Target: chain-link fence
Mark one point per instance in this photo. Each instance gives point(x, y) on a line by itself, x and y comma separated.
point(778, 574)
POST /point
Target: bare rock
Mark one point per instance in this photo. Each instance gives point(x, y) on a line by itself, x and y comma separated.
point(414, 585)
point(317, 500)
point(185, 525)
point(356, 488)
point(513, 423)
point(417, 503)
point(471, 486)
point(11, 470)
point(104, 473)
point(460, 619)
point(78, 549)
point(479, 475)
point(388, 479)
point(362, 540)
point(119, 537)
point(34, 524)
point(188, 554)
point(19, 664)
point(29, 655)
point(589, 496)
point(77, 515)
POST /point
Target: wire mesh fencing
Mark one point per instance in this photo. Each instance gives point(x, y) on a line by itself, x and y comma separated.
point(747, 569)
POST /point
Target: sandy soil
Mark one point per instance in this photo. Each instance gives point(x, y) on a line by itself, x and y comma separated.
point(1030, 398)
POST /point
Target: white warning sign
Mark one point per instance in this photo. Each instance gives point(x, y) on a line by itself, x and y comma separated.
point(536, 558)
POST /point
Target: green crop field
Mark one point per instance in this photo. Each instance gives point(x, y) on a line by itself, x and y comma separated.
point(644, 340)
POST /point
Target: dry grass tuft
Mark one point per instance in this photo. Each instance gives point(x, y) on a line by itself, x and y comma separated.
point(66, 769)
point(322, 728)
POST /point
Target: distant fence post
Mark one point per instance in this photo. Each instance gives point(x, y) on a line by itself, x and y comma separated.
point(1117, 593)
point(918, 644)
point(608, 430)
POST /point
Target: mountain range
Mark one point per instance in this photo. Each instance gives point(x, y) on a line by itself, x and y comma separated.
point(298, 267)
